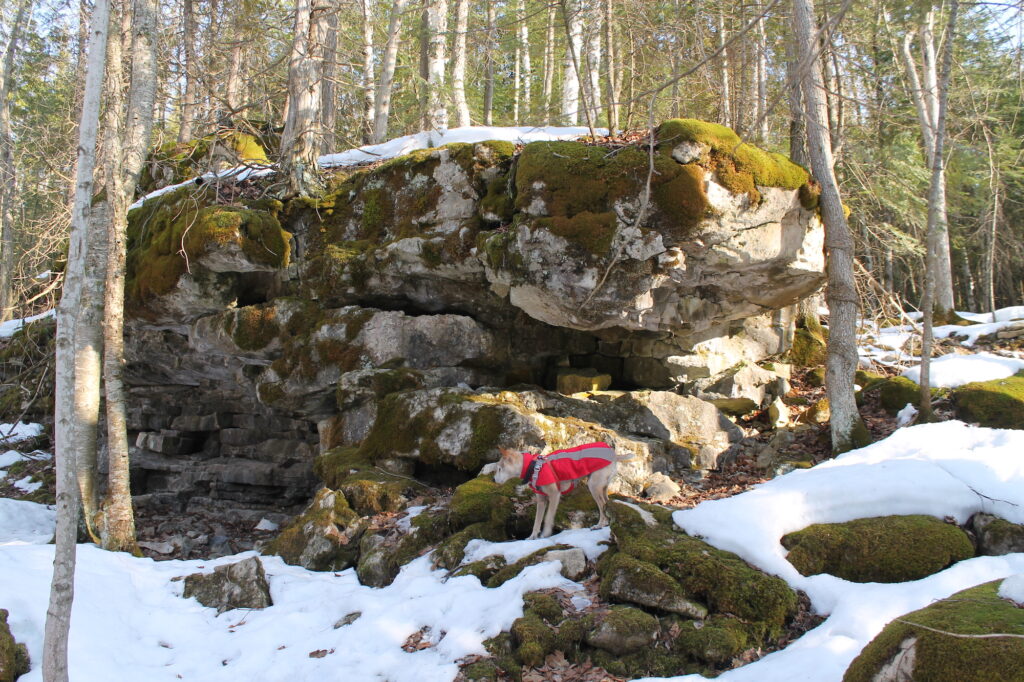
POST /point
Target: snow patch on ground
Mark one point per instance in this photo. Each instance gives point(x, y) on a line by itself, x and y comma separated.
point(8, 328)
point(19, 432)
point(590, 541)
point(954, 370)
point(24, 523)
point(1013, 589)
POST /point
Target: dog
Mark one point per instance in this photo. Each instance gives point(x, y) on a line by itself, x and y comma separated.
point(554, 474)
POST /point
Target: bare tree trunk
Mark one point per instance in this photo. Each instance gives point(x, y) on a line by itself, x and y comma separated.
point(8, 184)
point(462, 118)
point(592, 81)
point(299, 141)
point(233, 86)
point(549, 63)
point(368, 84)
point(526, 70)
point(725, 115)
point(329, 88)
point(847, 427)
point(62, 586)
point(516, 78)
point(797, 124)
point(188, 104)
point(570, 71)
point(437, 28)
point(611, 62)
point(988, 258)
point(489, 72)
point(382, 103)
point(937, 222)
point(761, 110)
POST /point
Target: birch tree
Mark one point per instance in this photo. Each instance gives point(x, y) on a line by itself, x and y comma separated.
point(459, 64)
point(7, 172)
point(436, 113)
point(382, 99)
point(368, 84)
point(299, 141)
point(847, 427)
point(329, 86)
point(572, 16)
point(62, 586)
point(190, 96)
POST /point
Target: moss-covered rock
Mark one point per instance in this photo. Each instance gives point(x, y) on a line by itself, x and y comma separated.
point(996, 536)
point(887, 549)
point(626, 578)
point(719, 579)
point(894, 393)
point(624, 630)
point(450, 553)
point(808, 349)
point(177, 162)
point(14, 660)
point(938, 657)
point(716, 640)
point(997, 404)
point(512, 570)
point(325, 537)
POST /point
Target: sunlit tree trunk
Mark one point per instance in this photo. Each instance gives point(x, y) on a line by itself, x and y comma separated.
point(847, 427)
point(549, 64)
point(459, 64)
point(437, 27)
point(761, 110)
point(329, 87)
point(613, 69)
point(525, 69)
point(299, 141)
point(369, 86)
point(190, 96)
point(725, 115)
point(489, 68)
point(570, 70)
point(592, 80)
point(382, 101)
point(62, 586)
point(797, 123)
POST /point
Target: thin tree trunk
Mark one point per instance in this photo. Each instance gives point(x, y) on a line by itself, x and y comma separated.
point(382, 103)
point(611, 62)
point(188, 104)
point(437, 28)
point(516, 79)
point(525, 72)
point(725, 114)
point(549, 63)
point(329, 88)
point(846, 425)
point(62, 586)
point(233, 86)
point(368, 83)
point(299, 141)
point(8, 184)
point(570, 71)
point(592, 81)
point(988, 258)
point(462, 118)
point(797, 122)
point(761, 111)
point(489, 71)
point(938, 229)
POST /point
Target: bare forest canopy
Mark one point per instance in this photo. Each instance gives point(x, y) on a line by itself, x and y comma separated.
point(385, 69)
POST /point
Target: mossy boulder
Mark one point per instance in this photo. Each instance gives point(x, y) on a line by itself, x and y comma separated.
point(624, 630)
point(886, 549)
point(808, 349)
point(920, 653)
point(894, 393)
point(241, 585)
point(325, 537)
point(627, 579)
point(14, 660)
point(716, 640)
point(510, 571)
point(176, 162)
point(997, 404)
point(996, 536)
point(720, 580)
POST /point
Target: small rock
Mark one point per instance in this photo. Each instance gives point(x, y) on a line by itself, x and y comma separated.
point(158, 547)
point(266, 524)
point(348, 620)
point(778, 413)
point(242, 585)
point(661, 488)
point(689, 151)
point(574, 562)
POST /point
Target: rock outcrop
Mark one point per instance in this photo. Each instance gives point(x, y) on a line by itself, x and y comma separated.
point(422, 310)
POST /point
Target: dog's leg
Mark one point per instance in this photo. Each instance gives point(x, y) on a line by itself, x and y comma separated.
point(541, 503)
point(554, 497)
point(598, 486)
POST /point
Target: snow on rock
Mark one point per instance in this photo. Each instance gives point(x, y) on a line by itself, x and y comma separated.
point(590, 541)
point(24, 523)
point(8, 328)
point(956, 370)
point(1013, 589)
point(906, 416)
point(945, 469)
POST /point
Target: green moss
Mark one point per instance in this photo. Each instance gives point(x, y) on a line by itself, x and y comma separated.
point(167, 234)
point(379, 383)
point(897, 391)
point(514, 569)
point(253, 327)
point(890, 549)
point(175, 162)
point(741, 168)
point(592, 231)
point(481, 499)
point(717, 641)
point(450, 552)
point(370, 497)
point(321, 519)
point(996, 404)
point(943, 658)
point(807, 350)
point(14, 660)
point(711, 576)
point(810, 195)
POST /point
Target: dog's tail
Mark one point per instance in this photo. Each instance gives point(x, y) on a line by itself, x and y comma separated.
point(625, 458)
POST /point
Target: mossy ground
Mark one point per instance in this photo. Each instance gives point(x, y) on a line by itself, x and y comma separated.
point(14, 660)
point(944, 658)
point(889, 549)
point(321, 519)
point(996, 404)
point(26, 362)
point(175, 162)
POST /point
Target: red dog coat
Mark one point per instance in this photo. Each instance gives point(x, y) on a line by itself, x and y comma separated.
point(565, 465)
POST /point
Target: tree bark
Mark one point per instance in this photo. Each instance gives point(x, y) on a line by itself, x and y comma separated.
point(614, 82)
point(382, 102)
point(62, 586)
point(8, 179)
point(299, 141)
point(725, 115)
point(489, 71)
point(525, 69)
point(592, 81)
point(437, 28)
point(570, 71)
point(549, 63)
point(329, 88)
point(459, 64)
point(761, 110)
point(846, 425)
point(368, 83)
point(797, 123)
point(189, 97)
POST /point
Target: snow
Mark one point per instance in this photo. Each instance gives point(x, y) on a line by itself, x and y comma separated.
point(399, 147)
point(12, 434)
point(1013, 589)
point(956, 370)
point(945, 469)
point(24, 523)
point(906, 416)
point(27, 485)
point(8, 328)
point(10, 457)
point(590, 541)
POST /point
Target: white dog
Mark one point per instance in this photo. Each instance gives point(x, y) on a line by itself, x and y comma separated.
point(552, 475)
